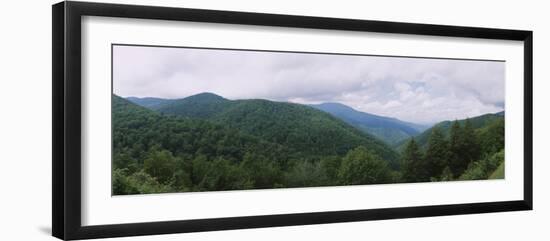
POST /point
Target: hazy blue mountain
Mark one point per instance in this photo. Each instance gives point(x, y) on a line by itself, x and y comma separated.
point(390, 130)
point(203, 105)
point(148, 102)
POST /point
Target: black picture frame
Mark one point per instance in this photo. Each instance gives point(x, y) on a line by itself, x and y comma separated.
point(66, 128)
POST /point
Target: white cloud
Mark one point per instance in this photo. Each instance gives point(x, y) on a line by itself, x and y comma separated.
point(412, 89)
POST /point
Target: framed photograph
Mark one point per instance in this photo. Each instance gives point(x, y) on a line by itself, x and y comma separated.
point(169, 120)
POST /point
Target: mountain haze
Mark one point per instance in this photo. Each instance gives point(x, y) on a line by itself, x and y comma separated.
point(390, 130)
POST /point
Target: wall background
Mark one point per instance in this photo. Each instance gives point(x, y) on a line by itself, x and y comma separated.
point(25, 123)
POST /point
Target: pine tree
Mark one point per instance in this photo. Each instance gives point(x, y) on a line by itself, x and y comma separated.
point(464, 147)
point(413, 166)
point(437, 153)
point(457, 164)
point(471, 151)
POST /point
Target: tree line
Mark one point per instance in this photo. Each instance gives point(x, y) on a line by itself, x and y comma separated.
point(464, 155)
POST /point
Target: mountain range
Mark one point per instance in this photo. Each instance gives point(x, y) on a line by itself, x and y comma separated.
point(206, 142)
point(302, 128)
point(208, 105)
point(274, 121)
point(390, 130)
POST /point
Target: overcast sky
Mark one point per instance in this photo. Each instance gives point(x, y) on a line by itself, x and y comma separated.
point(411, 89)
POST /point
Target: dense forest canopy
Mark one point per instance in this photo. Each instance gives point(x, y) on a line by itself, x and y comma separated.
point(208, 143)
point(295, 126)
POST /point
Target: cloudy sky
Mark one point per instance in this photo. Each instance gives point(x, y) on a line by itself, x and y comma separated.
point(419, 90)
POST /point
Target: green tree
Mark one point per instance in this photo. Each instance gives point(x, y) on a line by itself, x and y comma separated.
point(483, 168)
point(305, 174)
point(142, 182)
point(457, 144)
point(120, 183)
point(330, 166)
point(160, 164)
point(260, 171)
point(472, 149)
point(465, 146)
point(491, 138)
point(222, 175)
point(361, 166)
point(122, 159)
point(437, 153)
point(413, 166)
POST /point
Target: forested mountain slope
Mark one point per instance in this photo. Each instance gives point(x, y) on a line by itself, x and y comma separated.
point(306, 130)
point(208, 143)
point(477, 123)
point(470, 149)
point(156, 152)
point(390, 130)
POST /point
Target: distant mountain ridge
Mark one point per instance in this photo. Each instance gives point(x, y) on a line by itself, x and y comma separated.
point(300, 127)
point(148, 102)
point(477, 122)
point(203, 105)
point(207, 105)
point(390, 130)
point(265, 113)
